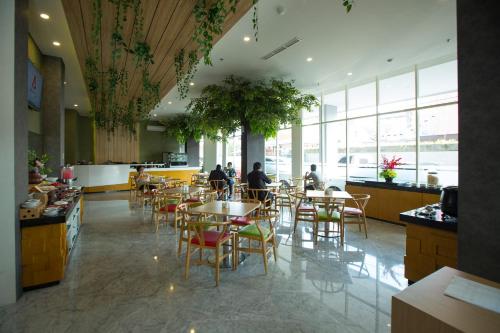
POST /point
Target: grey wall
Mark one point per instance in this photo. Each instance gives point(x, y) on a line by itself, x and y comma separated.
point(252, 150)
point(193, 151)
point(53, 111)
point(479, 138)
point(153, 144)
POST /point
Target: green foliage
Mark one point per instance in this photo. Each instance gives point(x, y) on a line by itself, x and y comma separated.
point(388, 173)
point(44, 159)
point(260, 107)
point(108, 87)
point(184, 72)
point(347, 4)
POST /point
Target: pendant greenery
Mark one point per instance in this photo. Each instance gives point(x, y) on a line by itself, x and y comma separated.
point(259, 107)
point(108, 87)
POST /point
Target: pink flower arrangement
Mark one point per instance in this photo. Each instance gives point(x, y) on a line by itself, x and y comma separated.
point(388, 168)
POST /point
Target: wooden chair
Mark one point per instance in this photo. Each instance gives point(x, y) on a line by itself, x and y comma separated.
point(283, 199)
point(263, 195)
point(145, 194)
point(166, 205)
point(185, 213)
point(329, 210)
point(133, 188)
point(260, 233)
point(357, 215)
point(243, 190)
point(200, 239)
point(304, 212)
point(221, 187)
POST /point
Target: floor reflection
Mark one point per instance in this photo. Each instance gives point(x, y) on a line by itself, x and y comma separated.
point(123, 276)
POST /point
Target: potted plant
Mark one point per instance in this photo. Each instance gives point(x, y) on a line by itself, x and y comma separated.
point(38, 164)
point(388, 166)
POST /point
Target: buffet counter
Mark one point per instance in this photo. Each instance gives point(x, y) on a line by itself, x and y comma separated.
point(116, 177)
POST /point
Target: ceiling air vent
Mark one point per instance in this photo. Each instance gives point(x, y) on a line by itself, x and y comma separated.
point(156, 128)
point(281, 48)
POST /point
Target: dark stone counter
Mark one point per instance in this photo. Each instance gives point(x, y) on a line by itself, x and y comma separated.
point(45, 220)
point(434, 220)
point(395, 186)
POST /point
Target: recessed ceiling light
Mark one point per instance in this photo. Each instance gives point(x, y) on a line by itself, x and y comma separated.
point(65, 82)
point(246, 39)
point(191, 83)
point(75, 105)
point(155, 115)
point(309, 59)
point(155, 257)
point(44, 16)
point(56, 43)
point(169, 102)
point(349, 74)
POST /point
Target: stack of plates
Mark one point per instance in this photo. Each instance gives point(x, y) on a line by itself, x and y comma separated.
point(31, 203)
point(51, 211)
point(61, 203)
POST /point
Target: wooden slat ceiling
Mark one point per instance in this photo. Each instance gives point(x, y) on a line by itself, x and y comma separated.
point(168, 27)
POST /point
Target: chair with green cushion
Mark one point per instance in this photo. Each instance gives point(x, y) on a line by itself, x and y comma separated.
point(261, 231)
point(329, 210)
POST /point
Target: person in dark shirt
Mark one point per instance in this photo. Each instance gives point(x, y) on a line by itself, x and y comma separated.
point(231, 174)
point(217, 174)
point(257, 179)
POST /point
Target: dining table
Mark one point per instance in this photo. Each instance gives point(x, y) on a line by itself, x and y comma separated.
point(226, 209)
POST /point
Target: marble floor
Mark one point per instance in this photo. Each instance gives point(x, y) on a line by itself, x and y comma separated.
point(124, 277)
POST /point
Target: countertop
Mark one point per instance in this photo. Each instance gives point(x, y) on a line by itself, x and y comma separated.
point(436, 220)
point(45, 220)
point(394, 186)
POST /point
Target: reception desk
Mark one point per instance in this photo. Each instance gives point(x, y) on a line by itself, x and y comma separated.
point(116, 177)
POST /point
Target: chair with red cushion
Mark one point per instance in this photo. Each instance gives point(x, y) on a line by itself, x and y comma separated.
point(304, 212)
point(200, 238)
point(356, 214)
point(243, 221)
point(164, 205)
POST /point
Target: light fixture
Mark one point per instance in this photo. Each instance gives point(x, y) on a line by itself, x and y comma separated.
point(75, 105)
point(44, 16)
point(191, 83)
point(246, 39)
point(65, 82)
point(192, 330)
point(56, 43)
point(169, 102)
point(309, 59)
point(155, 115)
point(349, 74)
point(155, 257)
point(171, 288)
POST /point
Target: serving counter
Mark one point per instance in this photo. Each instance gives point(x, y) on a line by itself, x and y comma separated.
point(116, 177)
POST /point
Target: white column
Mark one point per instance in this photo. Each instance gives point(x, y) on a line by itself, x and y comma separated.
point(297, 151)
point(209, 155)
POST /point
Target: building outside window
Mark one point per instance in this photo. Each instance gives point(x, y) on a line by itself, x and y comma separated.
point(412, 115)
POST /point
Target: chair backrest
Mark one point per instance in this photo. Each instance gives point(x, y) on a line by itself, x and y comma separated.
point(261, 194)
point(361, 200)
point(196, 229)
point(209, 196)
point(133, 184)
point(218, 185)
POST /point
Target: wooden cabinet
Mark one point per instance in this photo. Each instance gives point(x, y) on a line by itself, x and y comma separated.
point(427, 250)
point(387, 204)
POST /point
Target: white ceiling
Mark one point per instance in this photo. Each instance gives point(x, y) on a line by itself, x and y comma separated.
point(409, 31)
point(44, 32)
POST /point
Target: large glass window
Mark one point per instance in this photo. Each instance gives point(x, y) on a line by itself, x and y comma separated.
point(311, 117)
point(397, 93)
point(397, 138)
point(310, 146)
point(284, 161)
point(438, 84)
point(438, 133)
point(335, 159)
point(202, 152)
point(233, 151)
point(334, 106)
point(362, 144)
point(362, 100)
point(271, 151)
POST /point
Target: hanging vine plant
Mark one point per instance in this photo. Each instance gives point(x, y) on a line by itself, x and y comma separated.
point(108, 87)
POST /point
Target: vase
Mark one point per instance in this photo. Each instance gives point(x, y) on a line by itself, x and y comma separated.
point(388, 179)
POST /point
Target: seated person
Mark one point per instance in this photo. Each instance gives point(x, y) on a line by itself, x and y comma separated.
point(142, 178)
point(315, 185)
point(231, 174)
point(257, 179)
point(218, 174)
